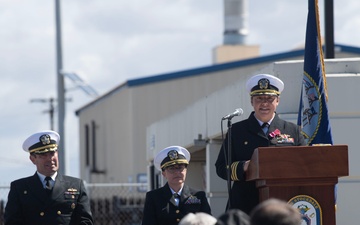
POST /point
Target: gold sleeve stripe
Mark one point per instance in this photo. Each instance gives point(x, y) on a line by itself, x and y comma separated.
point(233, 170)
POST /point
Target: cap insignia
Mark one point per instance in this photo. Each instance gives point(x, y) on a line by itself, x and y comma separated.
point(263, 83)
point(45, 139)
point(173, 154)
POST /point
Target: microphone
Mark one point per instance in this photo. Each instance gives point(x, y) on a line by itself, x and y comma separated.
point(237, 112)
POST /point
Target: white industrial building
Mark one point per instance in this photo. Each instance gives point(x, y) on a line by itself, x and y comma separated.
point(122, 130)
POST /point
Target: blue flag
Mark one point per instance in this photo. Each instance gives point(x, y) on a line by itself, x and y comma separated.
point(313, 111)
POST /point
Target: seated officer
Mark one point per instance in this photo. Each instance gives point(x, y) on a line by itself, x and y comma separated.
point(47, 197)
point(170, 203)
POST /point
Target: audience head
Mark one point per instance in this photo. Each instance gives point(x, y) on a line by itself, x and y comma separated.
point(234, 217)
point(275, 212)
point(199, 218)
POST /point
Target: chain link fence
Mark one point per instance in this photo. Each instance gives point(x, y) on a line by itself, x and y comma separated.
point(111, 204)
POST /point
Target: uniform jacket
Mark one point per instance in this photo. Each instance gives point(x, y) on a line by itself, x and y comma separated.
point(30, 204)
point(160, 209)
point(246, 136)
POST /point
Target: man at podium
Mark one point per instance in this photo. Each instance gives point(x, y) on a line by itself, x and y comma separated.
point(263, 128)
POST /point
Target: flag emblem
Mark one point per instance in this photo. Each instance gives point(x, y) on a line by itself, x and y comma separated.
point(312, 107)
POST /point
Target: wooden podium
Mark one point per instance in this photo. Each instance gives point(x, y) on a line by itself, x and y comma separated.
point(301, 174)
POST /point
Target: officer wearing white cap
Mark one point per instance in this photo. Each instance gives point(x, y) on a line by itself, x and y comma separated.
point(261, 129)
point(47, 197)
point(169, 204)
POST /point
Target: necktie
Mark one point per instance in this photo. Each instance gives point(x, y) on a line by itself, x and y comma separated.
point(48, 185)
point(265, 127)
point(176, 198)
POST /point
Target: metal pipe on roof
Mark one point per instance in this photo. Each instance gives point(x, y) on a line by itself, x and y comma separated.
point(235, 22)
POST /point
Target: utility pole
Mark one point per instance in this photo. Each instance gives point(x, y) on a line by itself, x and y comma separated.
point(51, 108)
point(60, 91)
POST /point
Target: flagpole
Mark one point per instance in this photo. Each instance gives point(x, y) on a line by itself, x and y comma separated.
point(329, 29)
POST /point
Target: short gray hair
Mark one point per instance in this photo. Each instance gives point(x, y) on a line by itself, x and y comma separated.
point(275, 212)
point(199, 218)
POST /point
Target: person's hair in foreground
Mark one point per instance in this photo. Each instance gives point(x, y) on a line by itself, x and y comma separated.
point(275, 212)
point(199, 218)
point(234, 217)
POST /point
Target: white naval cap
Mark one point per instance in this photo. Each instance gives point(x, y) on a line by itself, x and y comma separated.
point(170, 156)
point(264, 84)
point(42, 142)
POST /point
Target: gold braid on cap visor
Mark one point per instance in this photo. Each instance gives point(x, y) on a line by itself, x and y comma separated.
point(173, 162)
point(46, 148)
point(265, 92)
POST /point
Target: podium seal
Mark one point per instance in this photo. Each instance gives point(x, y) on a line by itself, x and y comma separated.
point(309, 209)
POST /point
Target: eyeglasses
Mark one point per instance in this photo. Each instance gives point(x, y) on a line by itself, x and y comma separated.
point(264, 99)
point(177, 168)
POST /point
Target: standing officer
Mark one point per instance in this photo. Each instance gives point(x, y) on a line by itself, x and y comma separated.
point(170, 203)
point(47, 197)
point(263, 128)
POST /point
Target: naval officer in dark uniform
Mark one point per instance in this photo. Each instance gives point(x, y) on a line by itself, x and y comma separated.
point(47, 197)
point(170, 203)
point(263, 128)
